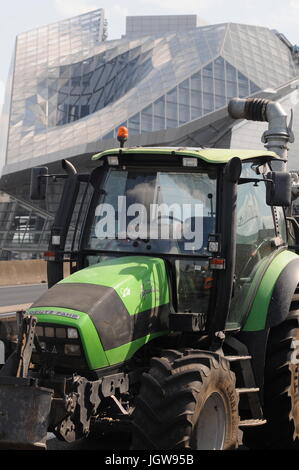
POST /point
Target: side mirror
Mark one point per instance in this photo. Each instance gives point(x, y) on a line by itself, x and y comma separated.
point(278, 190)
point(38, 183)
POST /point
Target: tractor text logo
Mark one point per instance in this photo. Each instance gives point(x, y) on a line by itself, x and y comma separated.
point(183, 223)
point(125, 292)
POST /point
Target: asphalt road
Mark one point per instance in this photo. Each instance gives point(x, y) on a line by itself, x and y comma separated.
point(21, 294)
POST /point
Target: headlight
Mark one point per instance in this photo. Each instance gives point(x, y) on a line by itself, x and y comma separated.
point(43, 345)
point(112, 161)
point(39, 331)
point(49, 332)
point(72, 333)
point(60, 333)
point(59, 340)
point(72, 350)
point(187, 161)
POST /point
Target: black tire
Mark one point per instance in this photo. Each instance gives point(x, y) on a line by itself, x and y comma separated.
point(281, 400)
point(180, 390)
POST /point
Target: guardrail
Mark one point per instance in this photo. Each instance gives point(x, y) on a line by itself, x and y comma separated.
point(22, 272)
point(10, 309)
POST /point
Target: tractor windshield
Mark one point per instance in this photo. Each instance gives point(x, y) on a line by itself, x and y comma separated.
point(153, 212)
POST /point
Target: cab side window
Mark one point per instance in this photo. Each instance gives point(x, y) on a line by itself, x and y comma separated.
point(255, 234)
point(255, 225)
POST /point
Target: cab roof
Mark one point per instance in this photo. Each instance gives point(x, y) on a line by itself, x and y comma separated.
point(209, 155)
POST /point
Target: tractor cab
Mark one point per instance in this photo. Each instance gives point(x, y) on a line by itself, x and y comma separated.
point(156, 203)
point(174, 204)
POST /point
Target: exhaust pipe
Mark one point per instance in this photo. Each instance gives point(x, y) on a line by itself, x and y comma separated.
point(278, 135)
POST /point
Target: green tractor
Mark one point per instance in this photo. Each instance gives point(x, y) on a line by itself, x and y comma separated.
point(179, 323)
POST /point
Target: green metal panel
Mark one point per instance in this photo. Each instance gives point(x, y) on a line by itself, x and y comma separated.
point(94, 352)
point(142, 285)
point(258, 314)
point(140, 281)
point(216, 156)
point(126, 351)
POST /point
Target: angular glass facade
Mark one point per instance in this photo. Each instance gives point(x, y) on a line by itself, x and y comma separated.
point(70, 89)
point(47, 63)
point(205, 91)
point(92, 84)
point(137, 26)
point(23, 228)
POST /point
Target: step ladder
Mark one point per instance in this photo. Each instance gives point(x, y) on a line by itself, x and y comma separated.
point(251, 391)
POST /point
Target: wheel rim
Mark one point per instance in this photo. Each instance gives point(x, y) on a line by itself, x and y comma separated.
point(211, 425)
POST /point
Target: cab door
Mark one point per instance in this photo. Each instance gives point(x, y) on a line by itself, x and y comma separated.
point(257, 242)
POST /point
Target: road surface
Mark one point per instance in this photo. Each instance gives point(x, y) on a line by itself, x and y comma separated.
point(21, 294)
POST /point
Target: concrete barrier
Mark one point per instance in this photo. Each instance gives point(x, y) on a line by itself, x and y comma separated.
point(20, 272)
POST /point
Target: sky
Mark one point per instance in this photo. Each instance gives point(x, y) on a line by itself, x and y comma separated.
point(22, 15)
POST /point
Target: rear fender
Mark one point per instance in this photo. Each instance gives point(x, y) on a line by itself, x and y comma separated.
point(279, 301)
point(282, 294)
point(272, 301)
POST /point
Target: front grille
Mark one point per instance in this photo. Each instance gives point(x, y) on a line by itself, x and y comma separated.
point(53, 340)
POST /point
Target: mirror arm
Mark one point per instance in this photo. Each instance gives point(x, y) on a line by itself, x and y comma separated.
point(82, 176)
point(254, 180)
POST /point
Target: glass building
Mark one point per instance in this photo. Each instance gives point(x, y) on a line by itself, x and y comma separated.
point(137, 26)
point(168, 79)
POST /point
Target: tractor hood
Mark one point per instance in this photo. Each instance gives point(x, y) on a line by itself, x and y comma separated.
point(125, 298)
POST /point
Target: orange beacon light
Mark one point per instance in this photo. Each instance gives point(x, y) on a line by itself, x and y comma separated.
point(122, 135)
